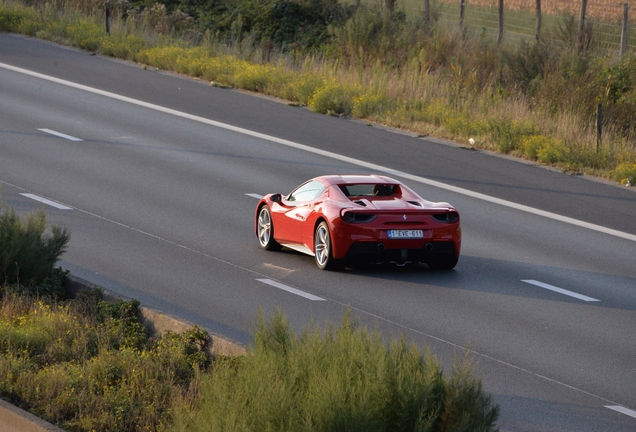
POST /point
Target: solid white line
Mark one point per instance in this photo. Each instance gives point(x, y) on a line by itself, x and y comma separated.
point(357, 162)
point(46, 201)
point(560, 290)
point(253, 195)
point(291, 290)
point(61, 135)
point(622, 410)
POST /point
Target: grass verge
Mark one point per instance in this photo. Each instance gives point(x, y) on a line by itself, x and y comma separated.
point(87, 365)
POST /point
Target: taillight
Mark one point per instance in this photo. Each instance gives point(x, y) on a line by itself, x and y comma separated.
point(449, 217)
point(353, 217)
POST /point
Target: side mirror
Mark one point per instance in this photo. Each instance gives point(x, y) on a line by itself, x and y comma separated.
point(276, 198)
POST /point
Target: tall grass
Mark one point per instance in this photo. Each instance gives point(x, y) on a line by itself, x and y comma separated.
point(388, 68)
point(342, 378)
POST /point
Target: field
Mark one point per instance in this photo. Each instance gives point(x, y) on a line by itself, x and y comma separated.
point(597, 10)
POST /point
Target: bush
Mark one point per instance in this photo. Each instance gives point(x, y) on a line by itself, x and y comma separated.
point(19, 19)
point(544, 149)
point(87, 365)
point(28, 252)
point(625, 173)
point(10, 19)
point(343, 379)
point(302, 87)
point(334, 98)
point(371, 103)
point(508, 134)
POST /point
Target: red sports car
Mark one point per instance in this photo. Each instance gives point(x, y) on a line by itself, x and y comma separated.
point(341, 219)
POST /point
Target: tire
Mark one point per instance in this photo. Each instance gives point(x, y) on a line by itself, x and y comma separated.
point(265, 230)
point(443, 264)
point(323, 250)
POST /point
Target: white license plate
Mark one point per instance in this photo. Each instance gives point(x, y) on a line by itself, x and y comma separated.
point(406, 234)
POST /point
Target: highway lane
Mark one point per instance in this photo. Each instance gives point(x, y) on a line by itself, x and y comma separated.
point(566, 195)
point(160, 213)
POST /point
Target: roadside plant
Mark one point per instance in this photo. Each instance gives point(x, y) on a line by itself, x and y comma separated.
point(625, 173)
point(29, 247)
point(340, 378)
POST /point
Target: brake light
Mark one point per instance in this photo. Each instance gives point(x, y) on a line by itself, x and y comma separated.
point(449, 217)
point(354, 217)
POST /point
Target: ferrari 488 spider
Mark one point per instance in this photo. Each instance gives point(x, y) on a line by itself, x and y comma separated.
point(342, 219)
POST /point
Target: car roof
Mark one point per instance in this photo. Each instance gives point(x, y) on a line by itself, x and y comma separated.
point(331, 180)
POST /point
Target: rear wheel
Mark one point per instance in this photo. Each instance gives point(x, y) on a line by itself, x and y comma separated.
point(323, 249)
point(265, 230)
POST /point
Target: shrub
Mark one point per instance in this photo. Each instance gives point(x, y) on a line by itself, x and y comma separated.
point(122, 46)
point(508, 134)
point(301, 87)
point(334, 98)
point(85, 35)
point(85, 371)
point(344, 378)
point(255, 77)
point(10, 19)
point(19, 19)
point(625, 173)
point(552, 152)
point(371, 103)
point(28, 252)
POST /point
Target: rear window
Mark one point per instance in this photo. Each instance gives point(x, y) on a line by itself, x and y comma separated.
point(368, 189)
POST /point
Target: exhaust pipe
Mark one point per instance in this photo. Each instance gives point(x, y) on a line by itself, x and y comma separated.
point(428, 246)
point(380, 247)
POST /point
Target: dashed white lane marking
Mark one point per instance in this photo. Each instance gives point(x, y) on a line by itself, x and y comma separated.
point(61, 135)
point(291, 290)
point(560, 290)
point(46, 201)
point(622, 410)
point(331, 155)
point(253, 195)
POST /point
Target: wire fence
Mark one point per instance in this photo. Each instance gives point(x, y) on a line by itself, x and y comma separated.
point(560, 23)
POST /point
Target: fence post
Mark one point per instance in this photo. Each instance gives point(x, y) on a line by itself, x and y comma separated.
point(537, 28)
point(462, 6)
point(581, 30)
point(427, 12)
point(501, 22)
point(390, 5)
point(624, 29)
point(599, 125)
point(107, 11)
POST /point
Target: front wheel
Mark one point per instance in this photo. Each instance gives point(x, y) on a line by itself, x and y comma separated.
point(265, 230)
point(323, 249)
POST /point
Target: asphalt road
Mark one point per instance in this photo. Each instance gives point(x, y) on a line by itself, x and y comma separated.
point(159, 175)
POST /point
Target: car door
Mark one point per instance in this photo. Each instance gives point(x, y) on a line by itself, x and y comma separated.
point(294, 210)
